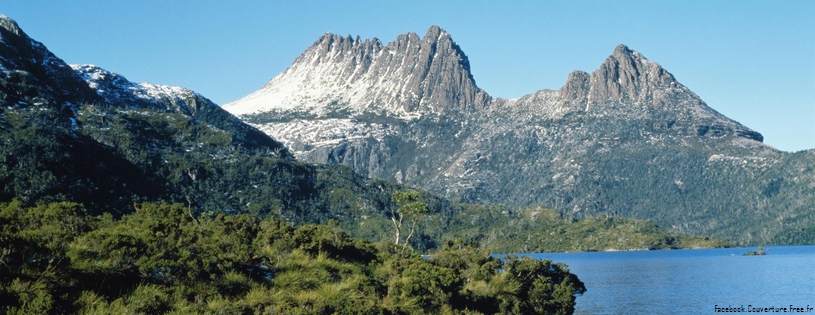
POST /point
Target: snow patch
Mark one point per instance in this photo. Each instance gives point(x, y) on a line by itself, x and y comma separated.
point(302, 136)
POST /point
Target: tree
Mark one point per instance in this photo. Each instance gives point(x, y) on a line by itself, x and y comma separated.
point(411, 206)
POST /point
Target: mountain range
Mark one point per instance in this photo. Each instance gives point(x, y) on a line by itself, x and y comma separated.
point(88, 136)
point(624, 140)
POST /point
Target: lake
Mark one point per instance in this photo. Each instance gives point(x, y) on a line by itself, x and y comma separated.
point(692, 281)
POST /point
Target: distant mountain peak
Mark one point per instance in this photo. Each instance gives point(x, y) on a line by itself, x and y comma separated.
point(622, 50)
point(626, 75)
point(406, 77)
point(437, 34)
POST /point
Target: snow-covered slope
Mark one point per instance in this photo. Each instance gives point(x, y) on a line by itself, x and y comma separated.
point(117, 92)
point(406, 78)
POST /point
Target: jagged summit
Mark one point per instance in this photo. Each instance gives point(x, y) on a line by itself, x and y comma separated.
point(406, 77)
point(625, 76)
point(628, 86)
point(345, 77)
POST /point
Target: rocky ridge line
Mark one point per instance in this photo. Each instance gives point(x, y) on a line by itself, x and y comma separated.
point(406, 77)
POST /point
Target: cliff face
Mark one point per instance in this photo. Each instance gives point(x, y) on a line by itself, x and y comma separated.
point(626, 139)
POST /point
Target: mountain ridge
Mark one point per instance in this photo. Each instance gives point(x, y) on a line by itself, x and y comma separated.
point(367, 66)
point(91, 136)
point(626, 139)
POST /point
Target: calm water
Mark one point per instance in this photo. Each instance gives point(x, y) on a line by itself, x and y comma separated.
point(692, 281)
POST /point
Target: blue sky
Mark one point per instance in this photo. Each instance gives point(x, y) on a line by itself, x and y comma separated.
point(753, 61)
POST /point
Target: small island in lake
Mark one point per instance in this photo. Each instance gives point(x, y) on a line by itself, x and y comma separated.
point(759, 252)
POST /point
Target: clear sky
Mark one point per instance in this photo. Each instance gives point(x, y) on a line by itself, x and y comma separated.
point(753, 61)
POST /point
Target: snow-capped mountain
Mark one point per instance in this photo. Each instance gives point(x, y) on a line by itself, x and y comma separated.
point(627, 139)
point(405, 78)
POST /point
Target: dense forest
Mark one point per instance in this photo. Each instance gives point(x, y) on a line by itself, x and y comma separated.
point(163, 259)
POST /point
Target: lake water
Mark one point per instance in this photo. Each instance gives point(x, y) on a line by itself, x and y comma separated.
point(692, 281)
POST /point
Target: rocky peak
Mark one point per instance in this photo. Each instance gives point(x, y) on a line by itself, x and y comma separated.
point(443, 80)
point(408, 76)
point(627, 75)
point(26, 64)
point(334, 48)
point(629, 86)
point(575, 92)
point(10, 25)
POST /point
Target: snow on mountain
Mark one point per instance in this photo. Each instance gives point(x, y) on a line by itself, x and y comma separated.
point(339, 83)
point(405, 78)
point(116, 89)
point(625, 139)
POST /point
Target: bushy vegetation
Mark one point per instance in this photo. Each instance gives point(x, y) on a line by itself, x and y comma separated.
point(541, 229)
point(163, 259)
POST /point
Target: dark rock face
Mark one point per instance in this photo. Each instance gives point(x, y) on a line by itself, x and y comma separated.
point(576, 90)
point(32, 74)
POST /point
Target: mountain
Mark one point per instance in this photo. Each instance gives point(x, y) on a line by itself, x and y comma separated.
point(80, 133)
point(403, 78)
point(84, 134)
point(625, 140)
point(116, 91)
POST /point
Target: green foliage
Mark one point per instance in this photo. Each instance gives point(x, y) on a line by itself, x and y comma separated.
point(162, 259)
point(540, 229)
point(411, 207)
